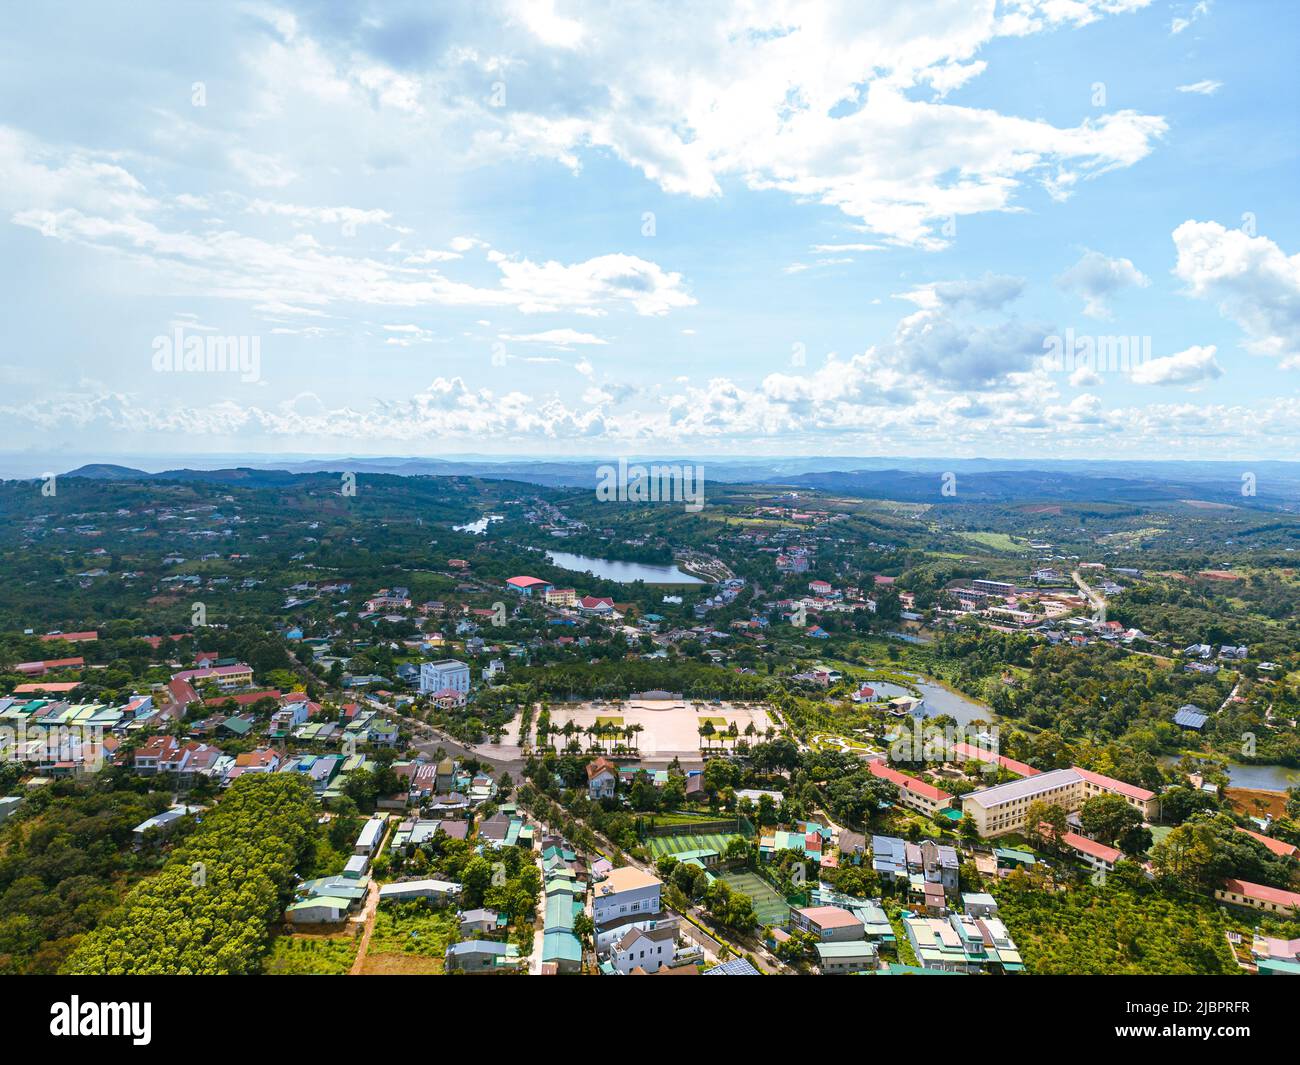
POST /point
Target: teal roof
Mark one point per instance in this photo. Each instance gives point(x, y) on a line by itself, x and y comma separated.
point(561, 945)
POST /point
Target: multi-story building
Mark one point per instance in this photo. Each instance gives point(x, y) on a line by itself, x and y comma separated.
point(443, 675)
point(625, 890)
point(1002, 588)
point(912, 791)
point(998, 810)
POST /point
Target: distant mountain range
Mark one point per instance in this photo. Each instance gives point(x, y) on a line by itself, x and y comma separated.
point(1276, 484)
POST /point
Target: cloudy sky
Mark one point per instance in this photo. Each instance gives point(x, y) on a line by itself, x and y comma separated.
point(552, 228)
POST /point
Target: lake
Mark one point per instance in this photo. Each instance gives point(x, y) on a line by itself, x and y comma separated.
point(623, 572)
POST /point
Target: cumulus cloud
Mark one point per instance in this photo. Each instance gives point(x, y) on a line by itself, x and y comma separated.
point(1097, 277)
point(815, 101)
point(1189, 367)
point(1250, 278)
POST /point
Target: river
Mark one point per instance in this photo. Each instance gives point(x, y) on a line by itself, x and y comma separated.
point(623, 572)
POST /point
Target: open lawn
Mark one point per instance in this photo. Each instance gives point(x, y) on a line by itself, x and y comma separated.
point(769, 906)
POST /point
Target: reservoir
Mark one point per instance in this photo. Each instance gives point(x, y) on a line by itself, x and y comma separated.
point(623, 572)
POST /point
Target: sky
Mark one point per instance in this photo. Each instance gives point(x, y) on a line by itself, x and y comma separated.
point(1056, 228)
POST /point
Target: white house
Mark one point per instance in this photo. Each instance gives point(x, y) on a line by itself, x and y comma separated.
point(602, 778)
point(626, 890)
point(447, 673)
point(646, 949)
point(372, 835)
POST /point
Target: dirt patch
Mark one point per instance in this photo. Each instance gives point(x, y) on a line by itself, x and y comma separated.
point(400, 965)
point(1244, 801)
point(1219, 575)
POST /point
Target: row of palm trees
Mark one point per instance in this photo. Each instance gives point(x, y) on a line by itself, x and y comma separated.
point(600, 732)
point(732, 732)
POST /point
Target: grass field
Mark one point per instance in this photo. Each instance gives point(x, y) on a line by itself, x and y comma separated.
point(995, 540)
point(617, 722)
point(769, 906)
point(716, 841)
point(408, 928)
point(311, 955)
point(716, 722)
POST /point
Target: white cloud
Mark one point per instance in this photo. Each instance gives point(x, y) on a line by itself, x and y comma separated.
point(987, 293)
point(263, 171)
point(65, 196)
point(560, 338)
point(1206, 87)
point(1189, 367)
point(1251, 280)
point(1097, 277)
point(817, 101)
point(1197, 12)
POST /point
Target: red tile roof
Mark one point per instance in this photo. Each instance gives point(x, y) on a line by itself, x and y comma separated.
point(970, 751)
point(1263, 893)
point(46, 686)
point(902, 780)
point(1285, 850)
point(1092, 848)
point(1111, 784)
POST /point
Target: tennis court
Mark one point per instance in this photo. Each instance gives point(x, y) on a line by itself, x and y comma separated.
point(769, 906)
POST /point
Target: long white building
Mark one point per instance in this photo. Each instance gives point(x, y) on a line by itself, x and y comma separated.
point(1002, 809)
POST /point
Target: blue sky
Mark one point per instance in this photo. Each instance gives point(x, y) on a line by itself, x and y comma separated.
point(560, 229)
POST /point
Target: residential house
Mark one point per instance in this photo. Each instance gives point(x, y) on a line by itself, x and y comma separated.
point(642, 948)
point(830, 924)
point(481, 956)
point(625, 890)
point(602, 778)
point(838, 957)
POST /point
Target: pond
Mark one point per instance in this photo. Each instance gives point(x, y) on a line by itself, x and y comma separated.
point(939, 700)
point(1260, 777)
point(1264, 777)
point(623, 572)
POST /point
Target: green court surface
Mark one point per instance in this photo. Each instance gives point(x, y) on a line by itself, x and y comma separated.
point(708, 841)
point(617, 722)
point(769, 906)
